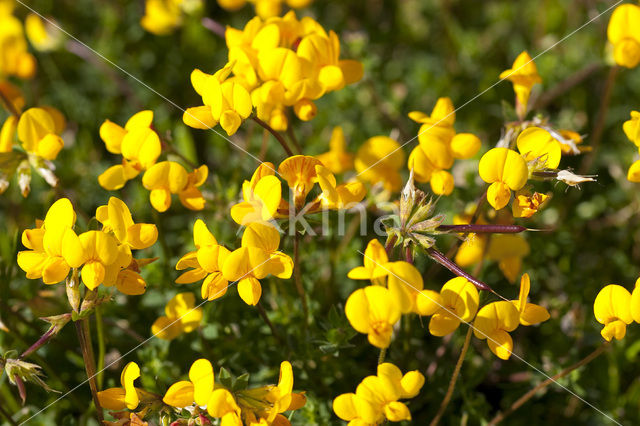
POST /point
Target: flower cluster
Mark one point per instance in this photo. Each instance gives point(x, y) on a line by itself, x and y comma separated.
point(439, 147)
point(379, 161)
point(38, 132)
point(616, 308)
point(104, 256)
point(377, 397)
point(276, 63)
point(140, 147)
point(15, 59)
point(236, 405)
point(162, 17)
point(257, 258)
point(264, 8)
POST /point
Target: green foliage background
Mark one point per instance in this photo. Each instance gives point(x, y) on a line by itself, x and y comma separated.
point(413, 52)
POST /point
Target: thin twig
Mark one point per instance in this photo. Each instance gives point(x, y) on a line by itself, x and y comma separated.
point(266, 319)
point(101, 345)
point(8, 416)
point(213, 26)
point(383, 353)
point(298, 276)
point(601, 117)
point(275, 134)
point(9, 105)
point(453, 267)
point(527, 396)
point(82, 327)
point(454, 379)
point(294, 140)
point(565, 85)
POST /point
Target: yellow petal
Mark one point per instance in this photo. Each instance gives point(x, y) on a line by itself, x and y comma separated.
point(250, 290)
point(179, 394)
point(112, 399)
point(113, 178)
point(503, 165)
point(201, 375)
point(139, 119)
point(501, 344)
point(537, 144)
point(344, 406)
point(130, 372)
point(613, 302)
point(112, 134)
point(199, 117)
point(34, 124)
point(465, 145)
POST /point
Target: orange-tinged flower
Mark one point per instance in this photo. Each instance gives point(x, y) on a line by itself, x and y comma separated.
point(116, 217)
point(300, 173)
point(526, 204)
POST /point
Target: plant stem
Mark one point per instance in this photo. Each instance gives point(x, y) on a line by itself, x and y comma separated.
point(101, 345)
point(82, 329)
point(294, 140)
point(389, 245)
point(450, 265)
point(214, 27)
point(598, 127)
point(266, 319)
point(482, 229)
point(9, 105)
point(298, 276)
point(454, 379)
point(383, 353)
point(527, 396)
point(275, 134)
point(8, 416)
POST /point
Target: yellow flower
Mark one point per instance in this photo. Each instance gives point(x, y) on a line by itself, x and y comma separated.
point(39, 130)
point(300, 173)
point(505, 170)
point(376, 397)
point(379, 160)
point(635, 302)
point(125, 397)
point(375, 261)
point(539, 148)
point(199, 388)
point(508, 250)
point(227, 102)
point(337, 159)
point(138, 143)
point(44, 36)
point(458, 302)
point(223, 405)
point(116, 217)
point(190, 196)
point(405, 283)
point(206, 262)
point(632, 128)
point(530, 314)
point(524, 75)
point(373, 311)
point(612, 308)
point(257, 258)
point(624, 35)
point(338, 197)
point(100, 251)
point(54, 248)
point(262, 196)
point(163, 179)
point(494, 322)
point(15, 59)
point(181, 316)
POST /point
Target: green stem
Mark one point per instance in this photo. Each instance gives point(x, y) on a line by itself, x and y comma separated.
point(101, 345)
point(266, 319)
point(383, 354)
point(297, 275)
point(527, 396)
point(82, 329)
point(275, 134)
point(454, 379)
